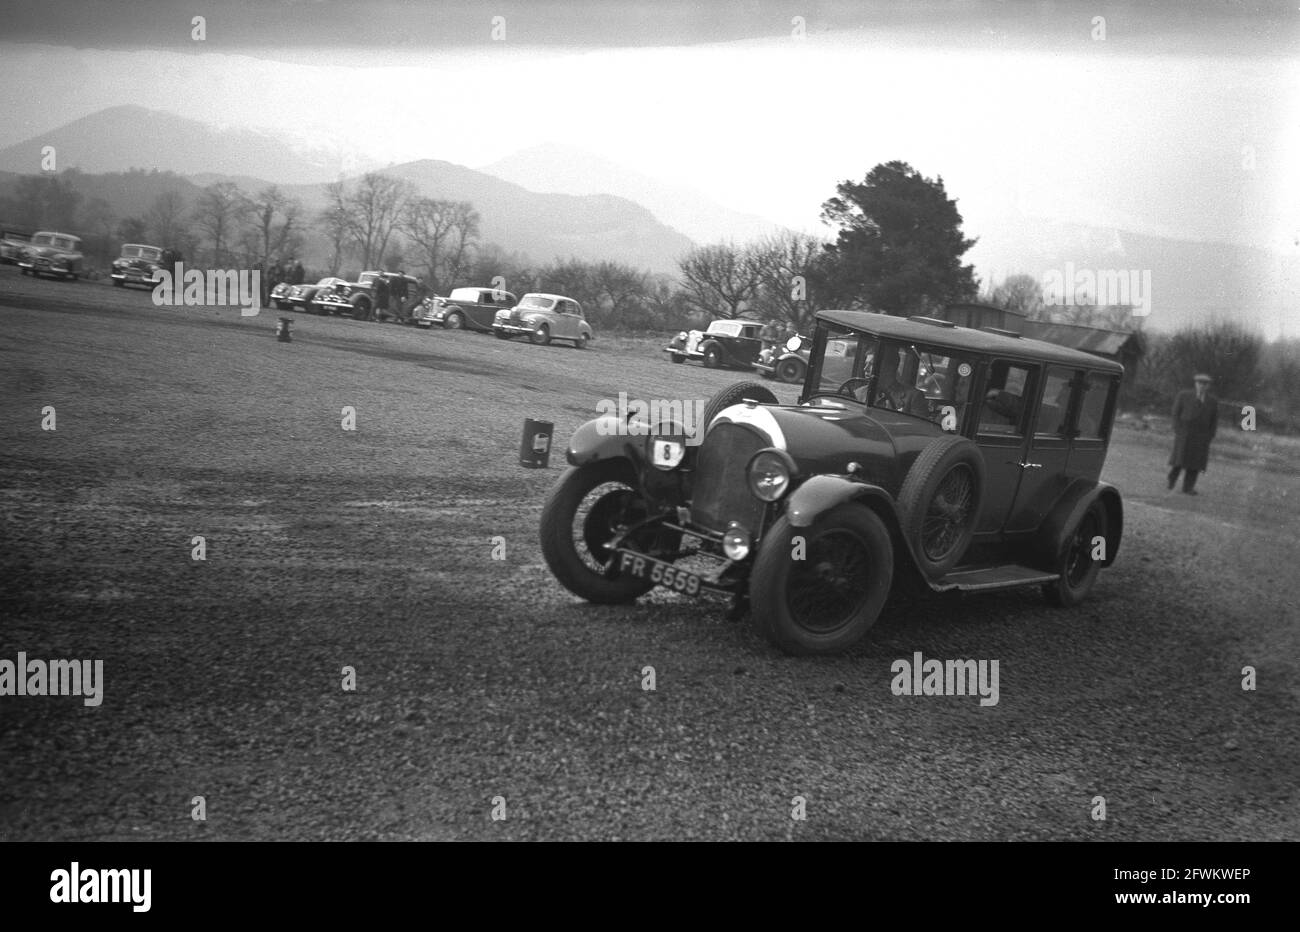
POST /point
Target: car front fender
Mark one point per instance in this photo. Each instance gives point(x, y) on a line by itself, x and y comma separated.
point(822, 493)
point(604, 438)
point(1053, 534)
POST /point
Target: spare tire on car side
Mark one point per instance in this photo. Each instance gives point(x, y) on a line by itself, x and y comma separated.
point(734, 394)
point(940, 502)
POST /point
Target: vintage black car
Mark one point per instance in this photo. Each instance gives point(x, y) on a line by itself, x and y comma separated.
point(356, 299)
point(138, 264)
point(787, 363)
point(734, 344)
point(467, 309)
point(919, 452)
point(307, 295)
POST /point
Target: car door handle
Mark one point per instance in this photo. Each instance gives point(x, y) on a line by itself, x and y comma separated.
point(1030, 465)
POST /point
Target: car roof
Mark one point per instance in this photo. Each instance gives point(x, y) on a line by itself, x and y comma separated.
point(56, 233)
point(941, 333)
point(543, 294)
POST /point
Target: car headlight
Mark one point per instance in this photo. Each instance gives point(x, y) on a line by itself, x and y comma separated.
point(682, 336)
point(769, 473)
point(793, 344)
point(736, 541)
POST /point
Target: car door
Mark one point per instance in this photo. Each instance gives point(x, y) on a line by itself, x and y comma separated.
point(483, 311)
point(566, 320)
point(745, 348)
point(1001, 433)
point(1044, 476)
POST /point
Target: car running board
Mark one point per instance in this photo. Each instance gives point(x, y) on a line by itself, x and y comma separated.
point(992, 577)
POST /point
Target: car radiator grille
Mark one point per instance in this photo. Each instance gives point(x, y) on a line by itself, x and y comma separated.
point(720, 493)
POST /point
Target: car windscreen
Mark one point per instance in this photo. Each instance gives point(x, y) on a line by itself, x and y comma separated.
point(725, 328)
point(537, 302)
point(42, 239)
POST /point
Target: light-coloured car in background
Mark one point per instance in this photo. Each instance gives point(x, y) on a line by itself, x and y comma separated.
point(51, 253)
point(543, 318)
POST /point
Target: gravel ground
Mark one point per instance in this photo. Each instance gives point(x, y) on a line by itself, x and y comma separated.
point(480, 678)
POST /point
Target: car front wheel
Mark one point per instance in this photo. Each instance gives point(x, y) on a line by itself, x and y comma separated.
point(819, 589)
point(712, 358)
point(1077, 567)
point(541, 336)
point(453, 321)
point(790, 370)
point(588, 507)
point(677, 357)
point(582, 341)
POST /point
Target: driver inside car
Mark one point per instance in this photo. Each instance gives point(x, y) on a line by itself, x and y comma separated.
point(896, 391)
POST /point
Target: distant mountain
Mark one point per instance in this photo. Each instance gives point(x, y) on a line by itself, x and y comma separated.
point(568, 170)
point(1191, 281)
point(540, 226)
point(125, 137)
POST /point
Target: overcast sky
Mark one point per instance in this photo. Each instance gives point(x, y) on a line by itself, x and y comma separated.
point(1184, 120)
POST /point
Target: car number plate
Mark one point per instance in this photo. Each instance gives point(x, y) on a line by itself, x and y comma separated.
point(662, 574)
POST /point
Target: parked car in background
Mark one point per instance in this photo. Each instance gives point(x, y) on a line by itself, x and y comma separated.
point(356, 299)
point(12, 244)
point(51, 254)
point(304, 297)
point(470, 309)
point(429, 311)
point(138, 264)
point(543, 318)
point(919, 452)
point(280, 295)
point(786, 363)
point(734, 344)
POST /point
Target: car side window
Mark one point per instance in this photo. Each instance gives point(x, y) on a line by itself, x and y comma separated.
point(1054, 408)
point(1092, 410)
point(1003, 408)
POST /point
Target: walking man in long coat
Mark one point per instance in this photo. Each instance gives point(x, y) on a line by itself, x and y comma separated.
point(1196, 418)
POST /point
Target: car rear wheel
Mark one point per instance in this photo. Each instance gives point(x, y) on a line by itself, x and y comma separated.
point(819, 589)
point(1077, 567)
point(790, 370)
point(734, 395)
point(453, 321)
point(712, 358)
point(588, 507)
point(940, 502)
point(541, 336)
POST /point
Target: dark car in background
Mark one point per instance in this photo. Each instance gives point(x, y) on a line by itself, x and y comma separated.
point(357, 299)
point(468, 309)
point(138, 264)
point(785, 363)
point(734, 344)
point(305, 296)
point(919, 453)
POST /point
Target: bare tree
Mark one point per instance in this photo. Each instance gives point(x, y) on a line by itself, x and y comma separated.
point(784, 265)
point(46, 201)
point(220, 212)
point(372, 211)
point(334, 219)
point(165, 219)
point(273, 226)
point(445, 232)
point(720, 280)
point(1021, 293)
